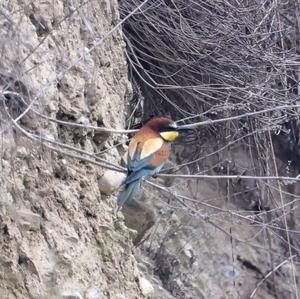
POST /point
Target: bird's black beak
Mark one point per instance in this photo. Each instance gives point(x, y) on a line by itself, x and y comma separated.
point(184, 129)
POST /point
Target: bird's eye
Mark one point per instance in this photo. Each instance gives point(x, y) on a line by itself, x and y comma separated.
point(169, 135)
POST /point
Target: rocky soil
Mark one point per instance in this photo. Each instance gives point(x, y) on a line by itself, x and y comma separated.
point(60, 236)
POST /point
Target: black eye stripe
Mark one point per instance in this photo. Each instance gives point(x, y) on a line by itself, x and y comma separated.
point(166, 129)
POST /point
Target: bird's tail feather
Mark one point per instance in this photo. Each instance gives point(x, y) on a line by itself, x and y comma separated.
point(128, 192)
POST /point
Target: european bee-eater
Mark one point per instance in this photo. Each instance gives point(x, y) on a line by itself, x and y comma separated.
point(148, 150)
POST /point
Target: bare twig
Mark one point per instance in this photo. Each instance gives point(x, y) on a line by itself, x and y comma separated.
point(270, 273)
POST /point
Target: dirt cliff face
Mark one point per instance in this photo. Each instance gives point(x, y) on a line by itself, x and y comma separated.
point(60, 237)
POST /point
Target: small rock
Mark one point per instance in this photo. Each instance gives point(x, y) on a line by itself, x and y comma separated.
point(71, 295)
point(5, 261)
point(93, 293)
point(145, 286)
point(120, 216)
point(174, 219)
point(110, 181)
point(22, 152)
point(83, 120)
point(6, 198)
point(29, 220)
point(51, 106)
point(66, 258)
point(188, 250)
point(72, 239)
point(178, 282)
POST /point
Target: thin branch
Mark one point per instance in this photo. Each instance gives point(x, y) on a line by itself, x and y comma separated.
point(210, 122)
point(250, 177)
point(270, 273)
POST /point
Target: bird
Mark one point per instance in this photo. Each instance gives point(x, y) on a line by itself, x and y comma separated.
point(148, 150)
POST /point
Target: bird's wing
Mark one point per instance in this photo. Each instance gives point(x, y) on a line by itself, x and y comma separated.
point(140, 155)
